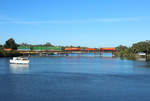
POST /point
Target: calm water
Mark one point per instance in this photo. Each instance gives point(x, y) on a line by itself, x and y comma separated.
point(75, 78)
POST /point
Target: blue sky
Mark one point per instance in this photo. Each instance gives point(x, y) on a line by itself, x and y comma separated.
point(92, 23)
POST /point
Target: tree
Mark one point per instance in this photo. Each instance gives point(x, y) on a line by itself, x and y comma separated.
point(1, 46)
point(121, 48)
point(141, 47)
point(25, 44)
point(123, 51)
point(48, 44)
point(10, 43)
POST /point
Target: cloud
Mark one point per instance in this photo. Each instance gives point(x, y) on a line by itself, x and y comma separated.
point(97, 20)
point(118, 19)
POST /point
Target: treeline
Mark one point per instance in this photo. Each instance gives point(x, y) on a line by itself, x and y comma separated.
point(8, 49)
point(11, 44)
point(124, 51)
point(121, 51)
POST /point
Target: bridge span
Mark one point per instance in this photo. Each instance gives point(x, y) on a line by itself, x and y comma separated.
point(66, 51)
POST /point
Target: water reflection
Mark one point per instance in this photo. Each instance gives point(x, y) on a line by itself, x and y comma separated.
point(19, 68)
point(141, 59)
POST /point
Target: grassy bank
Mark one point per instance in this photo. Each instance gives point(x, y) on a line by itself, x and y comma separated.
point(11, 53)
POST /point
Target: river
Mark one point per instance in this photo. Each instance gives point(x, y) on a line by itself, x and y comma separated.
point(75, 78)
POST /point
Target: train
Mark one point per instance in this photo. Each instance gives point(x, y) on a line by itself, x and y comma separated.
point(39, 48)
point(59, 48)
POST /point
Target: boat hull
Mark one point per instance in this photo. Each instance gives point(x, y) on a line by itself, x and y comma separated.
point(19, 62)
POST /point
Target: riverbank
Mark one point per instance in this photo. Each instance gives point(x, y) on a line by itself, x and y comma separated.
point(9, 54)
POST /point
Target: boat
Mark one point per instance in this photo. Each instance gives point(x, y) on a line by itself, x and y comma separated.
point(19, 60)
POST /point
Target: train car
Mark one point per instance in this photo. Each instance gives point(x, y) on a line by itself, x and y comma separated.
point(72, 49)
point(90, 49)
point(39, 48)
point(23, 48)
point(54, 48)
point(107, 49)
point(36, 48)
point(46, 48)
point(43, 48)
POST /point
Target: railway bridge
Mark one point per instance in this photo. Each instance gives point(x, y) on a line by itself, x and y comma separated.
point(70, 51)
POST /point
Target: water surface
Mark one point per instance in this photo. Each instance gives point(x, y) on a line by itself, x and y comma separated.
point(75, 78)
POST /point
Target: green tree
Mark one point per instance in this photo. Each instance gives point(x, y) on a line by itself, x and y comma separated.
point(48, 44)
point(24, 44)
point(121, 48)
point(1, 46)
point(141, 47)
point(123, 51)
point(10, 43)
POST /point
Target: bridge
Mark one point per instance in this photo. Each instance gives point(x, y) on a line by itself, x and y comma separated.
point(107, 50)
point(69, 51)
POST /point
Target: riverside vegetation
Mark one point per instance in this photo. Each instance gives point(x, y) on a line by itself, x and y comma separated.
point(121, 51)
point(143, 46)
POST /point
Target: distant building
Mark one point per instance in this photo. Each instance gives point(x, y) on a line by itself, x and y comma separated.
point(141, 54)
point(7, 49)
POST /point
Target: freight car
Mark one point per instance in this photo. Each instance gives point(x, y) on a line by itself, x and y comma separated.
point(107, 49)
point(90, 49)
point(23, 48)
point(39, 48)
point(46, 48)
point(72, 49)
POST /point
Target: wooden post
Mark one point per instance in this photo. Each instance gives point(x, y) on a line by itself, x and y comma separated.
point(113, 54)
point(101, 54)
point(94, 53)
point(40, 54)
point(59, 54)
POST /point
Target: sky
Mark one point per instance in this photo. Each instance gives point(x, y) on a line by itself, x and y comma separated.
point(91, 23)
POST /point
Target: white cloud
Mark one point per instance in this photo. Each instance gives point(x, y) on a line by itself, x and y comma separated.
point(97, 20)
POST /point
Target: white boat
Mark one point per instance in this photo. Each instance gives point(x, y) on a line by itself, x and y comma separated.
point(19, 60)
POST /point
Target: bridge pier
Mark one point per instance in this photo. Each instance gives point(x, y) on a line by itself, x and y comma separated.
point(95, 54)
point(101, 53)
point(41, 54)
point(113, 54)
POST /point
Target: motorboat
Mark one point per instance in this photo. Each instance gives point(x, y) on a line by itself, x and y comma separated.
point(19, 60)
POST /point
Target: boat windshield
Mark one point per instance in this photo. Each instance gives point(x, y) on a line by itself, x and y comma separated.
point(20, 58)
point(25, 59)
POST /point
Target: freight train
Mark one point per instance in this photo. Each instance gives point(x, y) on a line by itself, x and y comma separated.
point(58, 48)
point(39, 48)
